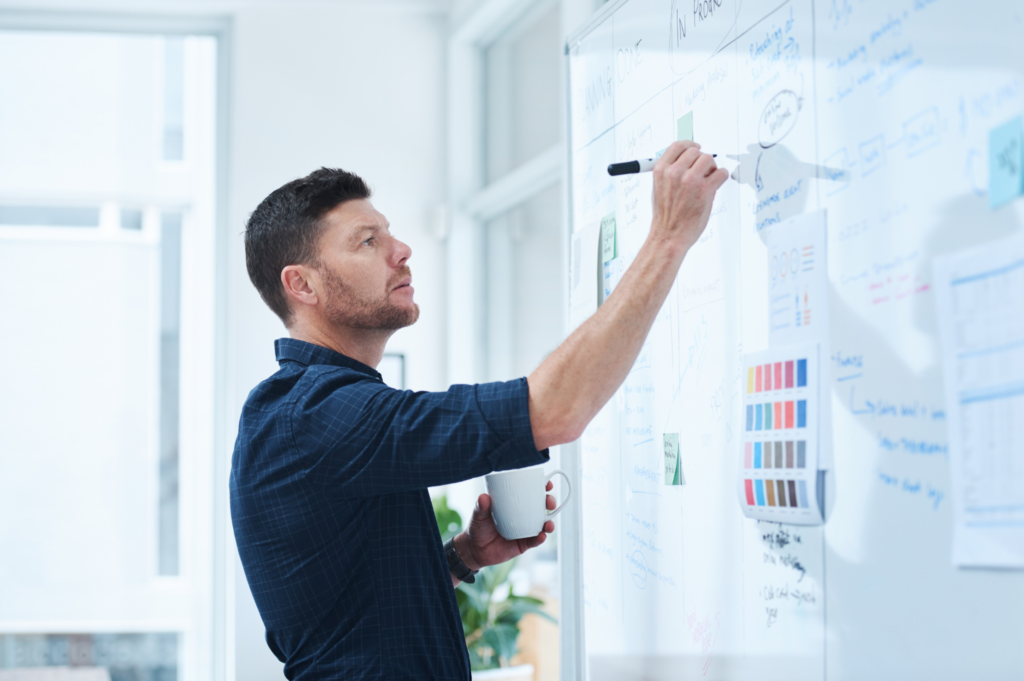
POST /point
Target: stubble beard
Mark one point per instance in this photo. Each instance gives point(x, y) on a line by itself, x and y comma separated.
point(345, 308)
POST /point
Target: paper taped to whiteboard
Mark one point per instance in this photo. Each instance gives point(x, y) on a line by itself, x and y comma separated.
point(778, 472)
point(980, 299)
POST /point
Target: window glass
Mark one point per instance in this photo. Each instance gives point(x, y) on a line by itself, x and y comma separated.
point(127, 657)
point(523, 77)
point(526, 292)
point(50, 216)
point(104, 468)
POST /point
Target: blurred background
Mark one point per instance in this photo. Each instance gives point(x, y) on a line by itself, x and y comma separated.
point(136, 136)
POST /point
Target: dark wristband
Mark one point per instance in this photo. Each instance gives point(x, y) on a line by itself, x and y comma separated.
point(455, 564)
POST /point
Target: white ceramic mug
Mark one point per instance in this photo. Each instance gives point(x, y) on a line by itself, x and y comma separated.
point(519, 501)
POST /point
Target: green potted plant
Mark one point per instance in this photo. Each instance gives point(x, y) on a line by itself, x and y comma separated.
point(490, 611)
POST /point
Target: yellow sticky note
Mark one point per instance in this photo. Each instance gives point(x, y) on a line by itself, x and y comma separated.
point(750, 379)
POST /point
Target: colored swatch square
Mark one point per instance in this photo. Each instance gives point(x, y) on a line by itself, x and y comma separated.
point(778, 375)
point(789, 454)
point(801, 454)
point(803, 493)
point(781, 493)
point(801, 414)
point(767, 377)
point(801, 373)
point(792, 494)
point(778, 415)
point(759, 490)
point(789, 414)
point(748, 454)
point(1005, 158)
point(757, 454)
point(758, 416)
point(789, 374)
point(609, 241)
point(768, 416)
point(750, 417)
point(684, 127)
point(750, 380)
point(770, 490)
point(767, 460)
point(748, 486)
point(778, 455)
point(757, 379)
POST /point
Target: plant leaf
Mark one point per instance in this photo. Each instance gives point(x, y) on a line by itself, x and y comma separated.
point(501, 638)
point(449, 522)
point(513, 610)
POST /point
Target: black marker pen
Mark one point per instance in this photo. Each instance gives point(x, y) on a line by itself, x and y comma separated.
point(644, 165)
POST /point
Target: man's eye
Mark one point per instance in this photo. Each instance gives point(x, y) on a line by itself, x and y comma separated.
point(367, 242)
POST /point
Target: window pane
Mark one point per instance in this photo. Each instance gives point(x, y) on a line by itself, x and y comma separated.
point(525, 285)
point(170, 332)
point(523, 70)
point(127, 657)
point(50, 216)
point(174, 99)
point(131, 219)
point(97, 438)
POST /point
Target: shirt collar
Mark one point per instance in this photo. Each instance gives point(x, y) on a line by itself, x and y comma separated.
point(301, 352)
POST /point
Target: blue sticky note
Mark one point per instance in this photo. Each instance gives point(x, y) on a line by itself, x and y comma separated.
point(1005, 158)
point(759, 486)
point(750, 417)
point(758, 416)
point(801, 414)
point(801, 373)
point(757, 455)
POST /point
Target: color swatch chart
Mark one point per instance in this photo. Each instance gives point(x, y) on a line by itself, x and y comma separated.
point(778, 469)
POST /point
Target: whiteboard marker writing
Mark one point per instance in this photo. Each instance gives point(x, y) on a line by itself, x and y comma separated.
point(644, 165)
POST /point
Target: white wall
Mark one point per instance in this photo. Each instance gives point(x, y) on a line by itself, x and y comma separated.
point(352, 87)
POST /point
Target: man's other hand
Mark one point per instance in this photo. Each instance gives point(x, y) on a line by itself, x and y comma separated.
point(481, 545)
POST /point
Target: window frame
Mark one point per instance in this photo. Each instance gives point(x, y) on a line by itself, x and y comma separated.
point(206, 644)
point(472, 203)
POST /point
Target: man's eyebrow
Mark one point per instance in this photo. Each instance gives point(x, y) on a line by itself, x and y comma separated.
point(366, 227)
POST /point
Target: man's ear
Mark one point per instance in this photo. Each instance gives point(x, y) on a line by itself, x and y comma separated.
point(298, 282)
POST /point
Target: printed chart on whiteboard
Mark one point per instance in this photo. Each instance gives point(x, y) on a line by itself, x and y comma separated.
point(981, 312)
point(779, 472)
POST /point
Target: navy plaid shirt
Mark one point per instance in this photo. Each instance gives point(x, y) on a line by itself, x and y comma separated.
point(332, 518)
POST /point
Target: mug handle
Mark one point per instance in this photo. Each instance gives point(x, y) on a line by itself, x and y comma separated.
point(568, 492)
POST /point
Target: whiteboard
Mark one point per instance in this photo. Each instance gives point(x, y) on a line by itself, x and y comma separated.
point(889, 109)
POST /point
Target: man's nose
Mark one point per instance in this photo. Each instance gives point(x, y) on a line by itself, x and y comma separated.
point(400, 253)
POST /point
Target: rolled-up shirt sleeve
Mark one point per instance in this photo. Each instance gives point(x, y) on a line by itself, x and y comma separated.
point(359, 437)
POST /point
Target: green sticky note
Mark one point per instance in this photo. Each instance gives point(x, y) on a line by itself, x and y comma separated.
point(609, 246)
point(684, 127)
point(1005, 158)
point(673, 465)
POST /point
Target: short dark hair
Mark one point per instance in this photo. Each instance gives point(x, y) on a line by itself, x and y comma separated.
point(285, 229)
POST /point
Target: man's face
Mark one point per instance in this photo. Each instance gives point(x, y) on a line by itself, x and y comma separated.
point(366, 280)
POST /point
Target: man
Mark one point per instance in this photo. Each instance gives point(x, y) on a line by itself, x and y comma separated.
point(330, 472)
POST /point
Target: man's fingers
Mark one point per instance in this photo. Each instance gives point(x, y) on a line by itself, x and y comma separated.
point(533, 542)
point(674, 151)
point(550, 486)
point(549, 527)
point(483, 505)
point(718, 178)
point(703, 166)
point(550, 502)
point(687, 159)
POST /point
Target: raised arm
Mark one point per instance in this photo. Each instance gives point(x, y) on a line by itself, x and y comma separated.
point(580, 376)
